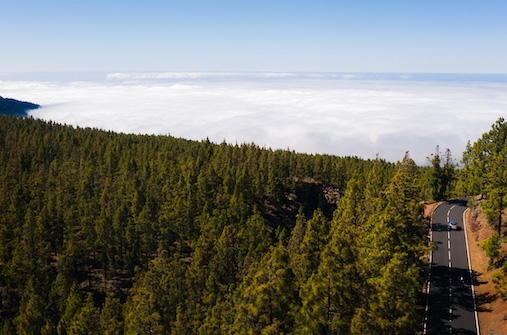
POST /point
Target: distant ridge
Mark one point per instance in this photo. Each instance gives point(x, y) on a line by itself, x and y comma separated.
point(15, 107)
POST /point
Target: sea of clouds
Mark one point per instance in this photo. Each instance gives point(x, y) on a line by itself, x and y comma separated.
point(339, 114)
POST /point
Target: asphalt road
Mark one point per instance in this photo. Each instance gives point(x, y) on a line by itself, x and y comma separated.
point(450, 305)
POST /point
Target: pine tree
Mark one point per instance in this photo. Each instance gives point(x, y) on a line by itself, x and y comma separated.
point(390, 251)
point(153, 303)
point(72, 306)
point(487, 162)
point(470, 180)
point(294, 245)
point(441, 175)
point(404, 210)
point(314, 241)
point(391, 308)
point(86, 320)
point(141, 316)
point(111, 316)
point(437, 177)
point(449, 173)
point(253, 241)
point(265, 298)
point(31, 319)
point(331, 294)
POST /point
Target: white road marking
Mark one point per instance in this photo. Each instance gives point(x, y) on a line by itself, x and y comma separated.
point(450, 267)
point(450, 278)
point(428, 287)
point(471, 276)
point(449, 212)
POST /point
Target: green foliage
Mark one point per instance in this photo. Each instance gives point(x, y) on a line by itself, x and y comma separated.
point(131, 234)
point(441, 176)
point(307, 260)
point(485, 170)
point(266, 296)
point(86, 320)
point(500, 283)
point(389, 258)
point(111, 316)
point(495, 204)
point(390, 309)
point(331, 294)
point(72, 306)
point(154, 301)
point(492, 246)
point(31, 319)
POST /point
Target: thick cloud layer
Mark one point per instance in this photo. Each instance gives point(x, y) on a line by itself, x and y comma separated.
point(313, 113)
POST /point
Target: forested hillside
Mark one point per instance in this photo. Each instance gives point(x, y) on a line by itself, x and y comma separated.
point(485, 173)
point(15, 107)
point(106, 233)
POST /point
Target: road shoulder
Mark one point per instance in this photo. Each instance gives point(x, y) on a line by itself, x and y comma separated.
point(492, 310)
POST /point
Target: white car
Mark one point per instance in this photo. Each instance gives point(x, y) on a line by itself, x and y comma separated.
point(452, 225)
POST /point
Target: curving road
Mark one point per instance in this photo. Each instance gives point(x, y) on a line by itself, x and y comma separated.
point(450, 305)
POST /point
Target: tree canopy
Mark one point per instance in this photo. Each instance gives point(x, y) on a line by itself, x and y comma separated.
point(485, 171)
point(111, 233)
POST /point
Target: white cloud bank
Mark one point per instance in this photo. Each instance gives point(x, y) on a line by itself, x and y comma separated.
point(313, 114)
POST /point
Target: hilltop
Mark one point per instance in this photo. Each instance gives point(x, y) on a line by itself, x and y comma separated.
point(15, 107)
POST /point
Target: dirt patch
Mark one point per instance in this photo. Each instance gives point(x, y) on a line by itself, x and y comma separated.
point(428, 209)
point(492, 310)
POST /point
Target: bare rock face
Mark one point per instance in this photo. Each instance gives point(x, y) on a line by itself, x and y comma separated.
point(306, 193)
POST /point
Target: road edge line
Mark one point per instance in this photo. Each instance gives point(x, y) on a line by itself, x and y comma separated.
point(428, 285)
point(471, 273)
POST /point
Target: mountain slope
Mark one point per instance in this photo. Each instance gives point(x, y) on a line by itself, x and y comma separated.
point(15, 107)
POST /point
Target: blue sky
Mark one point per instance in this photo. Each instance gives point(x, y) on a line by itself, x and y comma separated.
point(339, 77)
point(305, 36)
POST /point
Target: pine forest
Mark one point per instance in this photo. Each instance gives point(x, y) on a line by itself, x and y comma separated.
point(111, 233)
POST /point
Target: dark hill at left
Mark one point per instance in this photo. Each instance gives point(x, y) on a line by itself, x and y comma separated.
point(15, 107)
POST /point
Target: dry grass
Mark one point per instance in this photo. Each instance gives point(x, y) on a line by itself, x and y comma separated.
point(492, 309)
